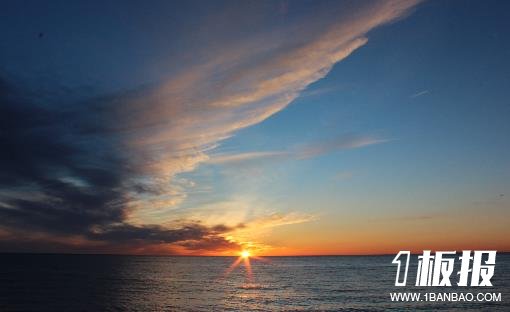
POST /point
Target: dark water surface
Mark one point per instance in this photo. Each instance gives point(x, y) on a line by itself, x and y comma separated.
point(144, 283)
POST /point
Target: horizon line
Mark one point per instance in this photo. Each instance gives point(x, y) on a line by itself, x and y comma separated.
point(224, 256)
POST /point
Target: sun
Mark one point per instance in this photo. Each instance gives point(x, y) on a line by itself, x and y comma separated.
point(245, 257)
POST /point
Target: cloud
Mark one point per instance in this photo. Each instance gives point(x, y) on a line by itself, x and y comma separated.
point(215, 243)
point(342, 143)
point(90, 164)
point(279, 219)
point(124, 238)
point(58, 185)
point(172, 128)
point(418, 94)
point(259, 228)
point(305, 151)
point(183, 119)
point(43, 155)
point(242, 157)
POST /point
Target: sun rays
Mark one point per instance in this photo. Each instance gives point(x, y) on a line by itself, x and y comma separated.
point(244, 257)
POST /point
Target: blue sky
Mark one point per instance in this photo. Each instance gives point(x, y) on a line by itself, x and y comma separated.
point(272, 119)
point(434, 86)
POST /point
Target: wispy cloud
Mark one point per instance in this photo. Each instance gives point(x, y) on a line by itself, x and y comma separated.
point(418, 94)
point(304, 151)
point(280, 219)
point(175, 127)
point(249, 156)
point(342, 143)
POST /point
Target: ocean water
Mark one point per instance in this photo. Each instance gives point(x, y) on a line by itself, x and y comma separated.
point(146, 283)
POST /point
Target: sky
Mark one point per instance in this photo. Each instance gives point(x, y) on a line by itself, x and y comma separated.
point(281, 127)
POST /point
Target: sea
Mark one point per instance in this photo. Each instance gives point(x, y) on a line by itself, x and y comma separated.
point(54, 282)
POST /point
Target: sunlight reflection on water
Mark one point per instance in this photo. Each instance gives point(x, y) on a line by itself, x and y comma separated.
point(135, 283)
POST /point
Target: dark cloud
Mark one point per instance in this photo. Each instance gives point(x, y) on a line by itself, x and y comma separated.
point(77, 179)
point(157, 234)
point(210, 243)
point(122, 239)
point(62, 172)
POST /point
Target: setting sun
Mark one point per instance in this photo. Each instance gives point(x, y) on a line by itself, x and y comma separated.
point(245, 254)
